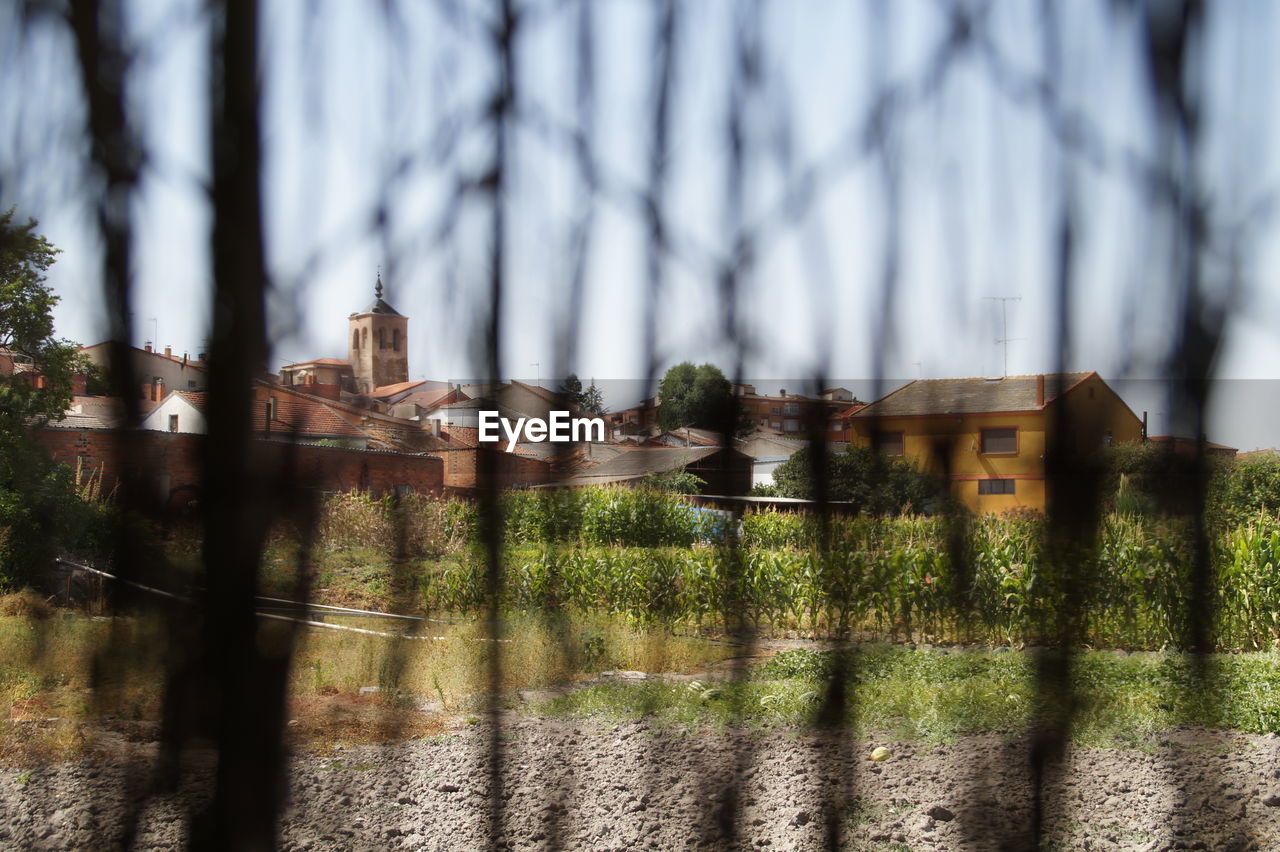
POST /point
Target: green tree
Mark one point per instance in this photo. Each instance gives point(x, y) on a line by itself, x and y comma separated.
point(40, 511)
point(695, 396)
point(590, 399)
point(26, 330)
point(874, 484)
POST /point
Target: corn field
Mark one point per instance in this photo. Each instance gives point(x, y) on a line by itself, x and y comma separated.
point(645, 555)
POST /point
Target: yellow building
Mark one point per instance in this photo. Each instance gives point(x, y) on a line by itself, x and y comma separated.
point(988, 436)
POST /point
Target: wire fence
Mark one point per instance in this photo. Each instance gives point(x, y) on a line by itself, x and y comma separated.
point(501, 162)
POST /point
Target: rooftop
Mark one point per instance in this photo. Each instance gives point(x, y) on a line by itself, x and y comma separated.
point(971, 395)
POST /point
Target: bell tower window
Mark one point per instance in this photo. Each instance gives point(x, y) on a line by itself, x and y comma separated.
point(355, 339)
point(395, 339)
point(382, 338)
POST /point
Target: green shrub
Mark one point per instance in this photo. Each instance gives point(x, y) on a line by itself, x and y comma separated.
point(873, 483)
point(42, 514)
point(1245, 487)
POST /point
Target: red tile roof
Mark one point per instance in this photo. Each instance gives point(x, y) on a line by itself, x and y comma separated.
point(327, 362)
point(427, 398)
point(392, 390)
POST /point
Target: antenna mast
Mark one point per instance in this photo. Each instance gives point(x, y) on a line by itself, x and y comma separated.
point(1005, 339)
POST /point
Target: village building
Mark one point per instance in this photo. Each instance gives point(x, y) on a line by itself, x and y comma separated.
point(324, 377)
point(725, 471)
point(378, 345)
point(989, 436)
point(157, 373)
point(791, 414)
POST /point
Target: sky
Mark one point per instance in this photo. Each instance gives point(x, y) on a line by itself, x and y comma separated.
point(367, 113)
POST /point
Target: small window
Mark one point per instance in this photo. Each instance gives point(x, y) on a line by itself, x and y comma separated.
point(191, 385)
point(271, 408)
point(777, 424)
point(1002, 441)
point(395, 339)
point(888, 443)
point(996, 486)
point(776, 410)
point(791, 408)
point(791, 426)
point(173, 423)
point(836, 425)
point(364, 337)
point(1106, 438)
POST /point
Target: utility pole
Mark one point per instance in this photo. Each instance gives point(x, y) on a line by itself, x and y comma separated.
point(1004, 325)
point(537, 366)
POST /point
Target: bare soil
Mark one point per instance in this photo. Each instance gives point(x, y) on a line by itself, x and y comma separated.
point(579, 785)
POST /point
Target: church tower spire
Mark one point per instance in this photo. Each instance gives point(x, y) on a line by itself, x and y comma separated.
point(379, 343)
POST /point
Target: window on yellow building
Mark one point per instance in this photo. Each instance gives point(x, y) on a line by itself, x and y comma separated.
point(996, 486)
point(1003, 441)
point(888, 443)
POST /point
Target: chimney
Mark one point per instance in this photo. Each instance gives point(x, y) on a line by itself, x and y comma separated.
point(168, 352)
point(147, 348)
point(200, 357)
point(782, 392)
point(1040, 390)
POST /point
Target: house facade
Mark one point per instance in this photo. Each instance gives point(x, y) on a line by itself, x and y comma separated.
point(158, 373)
point(791, 414)
point(989, 437)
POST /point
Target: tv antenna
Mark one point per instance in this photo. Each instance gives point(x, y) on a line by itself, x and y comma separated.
point(1005, 339)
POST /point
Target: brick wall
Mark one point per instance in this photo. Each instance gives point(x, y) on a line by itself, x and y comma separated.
point(512, 469)
point(169, 463)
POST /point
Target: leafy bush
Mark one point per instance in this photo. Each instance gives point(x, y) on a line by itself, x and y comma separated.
point(675, 482)
point(42, 514)
point(1245, 487)
point(873, 483)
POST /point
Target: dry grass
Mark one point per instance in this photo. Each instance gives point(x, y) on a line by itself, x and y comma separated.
point(25, 604)
point(51, 708)
point(453, 669)
point(321, 722)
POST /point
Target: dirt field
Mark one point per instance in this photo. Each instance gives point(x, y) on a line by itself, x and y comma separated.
point(583, 786)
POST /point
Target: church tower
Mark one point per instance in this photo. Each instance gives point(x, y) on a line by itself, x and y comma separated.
point(378, 345)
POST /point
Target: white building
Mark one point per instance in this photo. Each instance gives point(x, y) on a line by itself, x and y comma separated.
point(180, 411)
